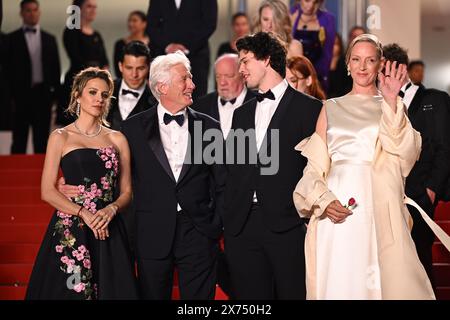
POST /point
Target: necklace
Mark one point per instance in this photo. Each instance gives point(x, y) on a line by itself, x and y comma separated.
point(86, 134)
point(307, 21)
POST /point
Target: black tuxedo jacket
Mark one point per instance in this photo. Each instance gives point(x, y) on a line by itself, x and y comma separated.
point(156, 193)
point(295, 118)
point(191, 25)
point(429, 114)
point(208, 104)
point(146, 101)
point(19, 64)
point(5, 103)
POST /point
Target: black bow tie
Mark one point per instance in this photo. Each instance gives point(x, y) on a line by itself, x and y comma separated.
point(28, 29)
point(134, 93)
point(402, 93)
point(169, 118)
point(261, 96)
point(223, 101)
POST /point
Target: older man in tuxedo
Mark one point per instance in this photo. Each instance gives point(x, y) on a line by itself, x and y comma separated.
point(177, 198)
point(231, 92)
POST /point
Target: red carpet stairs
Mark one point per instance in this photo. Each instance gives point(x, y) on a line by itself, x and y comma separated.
point(24, 218)
point(23, 221)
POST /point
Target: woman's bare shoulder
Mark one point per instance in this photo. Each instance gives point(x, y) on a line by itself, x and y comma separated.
point(116, 137)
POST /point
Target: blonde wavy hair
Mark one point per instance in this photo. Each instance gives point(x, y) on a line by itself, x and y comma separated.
point(281, 19)
point(79, 83)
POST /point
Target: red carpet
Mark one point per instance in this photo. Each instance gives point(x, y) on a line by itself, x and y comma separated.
point(23, 221)
point(24, 218)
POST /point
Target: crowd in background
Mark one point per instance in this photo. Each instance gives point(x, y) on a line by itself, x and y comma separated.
point(316, 52)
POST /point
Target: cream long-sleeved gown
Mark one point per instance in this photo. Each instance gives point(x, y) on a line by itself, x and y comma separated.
point(347, 263)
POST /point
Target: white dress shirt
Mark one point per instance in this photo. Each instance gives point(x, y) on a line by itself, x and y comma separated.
point(127, 102)
point(409, 94)
point(178, 3)
point(174, 140)
point(265, 110)
point(226, 111)
point(264, 113)
point(34, 44)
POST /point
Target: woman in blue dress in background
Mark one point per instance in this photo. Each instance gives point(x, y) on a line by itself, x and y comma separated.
point(315, 28)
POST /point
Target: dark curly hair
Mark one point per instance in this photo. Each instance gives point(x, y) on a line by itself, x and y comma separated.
point(393, 52)
point(265, 45)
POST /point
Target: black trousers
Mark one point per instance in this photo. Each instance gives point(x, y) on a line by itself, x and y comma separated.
point(265, 265)
point(33, 110)
point(422, 235)
point(195, 258)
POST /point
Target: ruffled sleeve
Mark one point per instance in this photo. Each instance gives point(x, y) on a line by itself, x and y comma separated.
point(311, 195)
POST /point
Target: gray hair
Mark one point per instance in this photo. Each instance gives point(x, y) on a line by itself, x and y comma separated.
point(160, 70)
point(233, 56)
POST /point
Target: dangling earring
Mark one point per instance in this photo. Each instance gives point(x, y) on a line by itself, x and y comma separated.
point(78, 109)
point(348, 71)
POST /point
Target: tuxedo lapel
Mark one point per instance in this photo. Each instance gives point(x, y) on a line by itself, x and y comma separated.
point(248, 115)
point(278, 115)
point(248, 96)
point(173, 7)
point(415, 103)
point(44, 50)
point(24, 47)
point(215, 107)
point(145, 102)
point(151, 128)
point(190, 152)
point(115, 103)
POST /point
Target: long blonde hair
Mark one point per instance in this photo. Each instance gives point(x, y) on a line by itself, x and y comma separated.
point(281, 19)
point(79, 83)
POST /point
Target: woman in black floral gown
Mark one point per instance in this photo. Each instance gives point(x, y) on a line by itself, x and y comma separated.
point(85, 254)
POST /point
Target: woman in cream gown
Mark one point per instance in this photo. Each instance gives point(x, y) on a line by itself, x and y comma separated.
point(345, 250)
point(347, 263)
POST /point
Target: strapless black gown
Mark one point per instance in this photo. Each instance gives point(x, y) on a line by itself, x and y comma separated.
point(71, 263)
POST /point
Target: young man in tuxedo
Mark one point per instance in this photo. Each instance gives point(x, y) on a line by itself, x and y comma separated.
point(184, 25)
point(177, 200)
point(33, 70)
point(429, 113)
point(264, 235)
point(231, 92)
point(132, 94)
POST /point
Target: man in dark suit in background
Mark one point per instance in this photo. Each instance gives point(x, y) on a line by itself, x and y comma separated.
point(429, 113)
point(5, 103)
point(184, 25)
point(4, 92)
point(264, 235)
point(177, 201)
point(34, 71)
point(416, 72)
point(231, 92)
point(132, 94)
